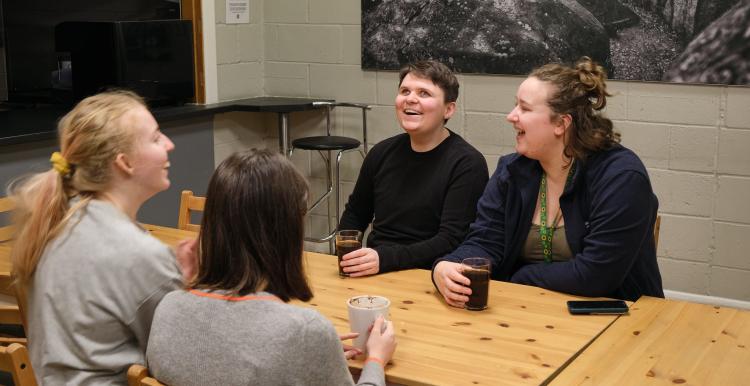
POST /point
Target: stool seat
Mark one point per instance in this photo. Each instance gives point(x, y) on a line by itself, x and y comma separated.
point(326, 142)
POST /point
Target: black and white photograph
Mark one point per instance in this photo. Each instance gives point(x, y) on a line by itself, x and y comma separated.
point(689, 41)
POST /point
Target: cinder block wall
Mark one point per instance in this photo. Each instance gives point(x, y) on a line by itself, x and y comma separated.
point(692, 138)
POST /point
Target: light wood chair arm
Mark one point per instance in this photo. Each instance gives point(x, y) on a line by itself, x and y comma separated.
point(14, 359)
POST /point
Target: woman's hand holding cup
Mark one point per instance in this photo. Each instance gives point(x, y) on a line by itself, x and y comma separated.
point(382, 341)
point(451, 283)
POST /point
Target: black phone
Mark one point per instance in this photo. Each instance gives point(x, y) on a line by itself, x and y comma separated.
point(588, 307)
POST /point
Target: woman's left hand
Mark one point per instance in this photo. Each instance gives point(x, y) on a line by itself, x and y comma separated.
point(362, 262)
point(349, 351)
point(187, 258)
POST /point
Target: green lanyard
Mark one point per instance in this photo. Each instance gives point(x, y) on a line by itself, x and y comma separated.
point(546, 233)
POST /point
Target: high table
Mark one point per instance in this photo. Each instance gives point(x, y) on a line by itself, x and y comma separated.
point(667, 342)
point(525, 336)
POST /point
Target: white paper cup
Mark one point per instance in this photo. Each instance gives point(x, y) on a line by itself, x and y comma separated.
point(363, 311)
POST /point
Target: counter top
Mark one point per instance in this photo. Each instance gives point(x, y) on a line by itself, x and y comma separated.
point(37, 124)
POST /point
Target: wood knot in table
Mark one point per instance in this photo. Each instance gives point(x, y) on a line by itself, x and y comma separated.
point(408, 302)
point(636, 333)
point(532, 340)
point(678, 381)
point(461, 324)
point(549, 326)
point(522, 374)
point(485, 338)
point(506, 325)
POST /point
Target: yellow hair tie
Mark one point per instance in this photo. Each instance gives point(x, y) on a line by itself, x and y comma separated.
point(60, 164)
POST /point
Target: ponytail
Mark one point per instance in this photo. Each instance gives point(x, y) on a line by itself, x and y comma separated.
point(41, 205)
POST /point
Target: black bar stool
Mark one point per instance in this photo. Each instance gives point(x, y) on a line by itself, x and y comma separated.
point(325, 145)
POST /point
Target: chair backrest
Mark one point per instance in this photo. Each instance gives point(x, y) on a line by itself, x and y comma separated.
point(138, 376)
point(189, 204)
point(657, 225)
point(6, 206)
point(331, 105)
point(14, 359)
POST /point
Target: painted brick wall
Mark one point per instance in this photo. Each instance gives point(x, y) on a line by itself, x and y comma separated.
point(694, 139)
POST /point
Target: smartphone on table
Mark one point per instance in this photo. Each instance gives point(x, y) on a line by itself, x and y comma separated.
point(594, 307)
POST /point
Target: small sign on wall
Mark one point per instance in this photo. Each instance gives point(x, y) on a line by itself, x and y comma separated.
point(238, 11)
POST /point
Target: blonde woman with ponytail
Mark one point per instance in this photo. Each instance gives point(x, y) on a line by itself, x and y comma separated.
point(572, 210)
point(91, 276)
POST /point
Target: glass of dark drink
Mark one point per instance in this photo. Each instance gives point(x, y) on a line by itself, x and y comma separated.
point(347, 241)
point(477, 270)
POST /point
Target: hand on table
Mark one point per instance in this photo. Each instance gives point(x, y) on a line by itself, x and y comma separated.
point(451, 283)
point(349, 351)
point(187, 258)
point(362, 262)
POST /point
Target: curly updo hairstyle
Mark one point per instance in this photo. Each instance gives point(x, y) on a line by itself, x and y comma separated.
point(580, 91)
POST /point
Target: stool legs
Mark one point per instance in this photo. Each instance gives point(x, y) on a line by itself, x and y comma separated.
point(330, 181)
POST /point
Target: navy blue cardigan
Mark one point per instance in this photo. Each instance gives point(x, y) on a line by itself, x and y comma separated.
point(609, 210)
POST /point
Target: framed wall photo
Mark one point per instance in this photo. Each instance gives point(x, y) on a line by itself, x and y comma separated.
point(691, 41)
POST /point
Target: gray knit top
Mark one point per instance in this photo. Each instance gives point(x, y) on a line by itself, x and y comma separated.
point(201, 338)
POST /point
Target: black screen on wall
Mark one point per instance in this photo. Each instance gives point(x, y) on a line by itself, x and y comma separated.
point(29, 37)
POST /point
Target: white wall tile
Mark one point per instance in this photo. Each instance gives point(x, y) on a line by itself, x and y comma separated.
point(692, 148)
point(686, 238)
point(732, 245)
point(285, 11)
point(342, 82)
point(734, 151)
point(685, 276)
point(732, 203)
point(738, 107)
point(730, 283)
point(346, 12)
point(649, 141)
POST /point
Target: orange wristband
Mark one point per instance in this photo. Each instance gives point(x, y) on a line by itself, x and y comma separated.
point(375, 359)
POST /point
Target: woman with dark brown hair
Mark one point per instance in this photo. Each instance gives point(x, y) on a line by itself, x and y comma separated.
point(572, 210)
point(234, 315)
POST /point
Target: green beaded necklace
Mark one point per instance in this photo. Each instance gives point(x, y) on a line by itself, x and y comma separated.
point(546, 233)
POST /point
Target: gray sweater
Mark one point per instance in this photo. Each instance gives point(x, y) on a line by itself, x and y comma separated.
point(258, 340)
point(93, 297)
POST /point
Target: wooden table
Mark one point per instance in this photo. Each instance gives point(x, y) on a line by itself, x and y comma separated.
point(525, 336)
point(667, 342)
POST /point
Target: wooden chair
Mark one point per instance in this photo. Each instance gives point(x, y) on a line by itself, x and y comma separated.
point(14, 359)
point(6, 206)
point(189, 204)
point(138, 376)
point(657, 225)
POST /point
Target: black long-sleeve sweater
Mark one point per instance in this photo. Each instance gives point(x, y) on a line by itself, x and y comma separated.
point(420, 203)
